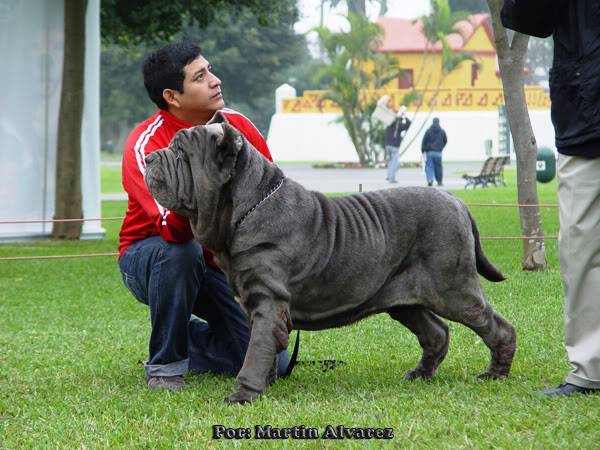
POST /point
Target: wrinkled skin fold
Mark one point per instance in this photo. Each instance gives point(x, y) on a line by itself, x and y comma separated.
point(302, 260)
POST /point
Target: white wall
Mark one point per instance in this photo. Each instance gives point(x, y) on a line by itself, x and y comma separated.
point(317, 137)
point(31, 33)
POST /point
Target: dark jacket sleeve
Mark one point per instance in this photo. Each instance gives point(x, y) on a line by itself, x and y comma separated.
point(425, 141)
point(532, 17)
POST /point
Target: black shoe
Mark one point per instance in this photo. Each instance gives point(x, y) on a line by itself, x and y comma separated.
point(566, 389)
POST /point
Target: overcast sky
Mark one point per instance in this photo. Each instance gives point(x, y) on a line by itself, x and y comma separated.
point(310, 12)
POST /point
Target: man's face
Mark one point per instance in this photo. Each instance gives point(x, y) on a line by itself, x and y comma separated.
point(201, 90)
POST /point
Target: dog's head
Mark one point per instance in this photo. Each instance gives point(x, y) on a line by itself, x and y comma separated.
point(198, 162)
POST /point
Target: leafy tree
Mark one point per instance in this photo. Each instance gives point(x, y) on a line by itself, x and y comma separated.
point(355, 6)
point(436, 27)
point(511, 58)
point(132, 22)
point(128, 22)
point(354, 65)
point(540, 53)
point(251, 60)
point(123, 98)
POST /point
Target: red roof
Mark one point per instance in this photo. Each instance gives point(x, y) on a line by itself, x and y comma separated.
point(405, 35)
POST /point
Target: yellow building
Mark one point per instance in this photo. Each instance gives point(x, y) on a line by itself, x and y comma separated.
point(473, 85)
point(467, 101)
point(405, 40)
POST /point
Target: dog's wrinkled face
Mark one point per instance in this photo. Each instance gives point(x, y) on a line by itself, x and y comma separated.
point(197, 161)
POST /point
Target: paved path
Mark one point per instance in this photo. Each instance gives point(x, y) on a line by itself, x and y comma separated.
point(353, 180)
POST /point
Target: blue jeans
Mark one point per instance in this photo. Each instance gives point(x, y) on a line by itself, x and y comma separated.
point(392, 154)
point(433, 167)
point(173, 280)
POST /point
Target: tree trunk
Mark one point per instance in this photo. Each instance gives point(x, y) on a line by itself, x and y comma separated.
point(362, 141)
point(357, 7)
point(511, 59)
point(68, 201)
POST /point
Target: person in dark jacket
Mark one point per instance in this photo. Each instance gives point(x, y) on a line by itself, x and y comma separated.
point(575, 95)
point(433, 143)
point(394, 134)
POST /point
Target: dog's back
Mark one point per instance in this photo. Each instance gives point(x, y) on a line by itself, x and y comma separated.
point(356, 245)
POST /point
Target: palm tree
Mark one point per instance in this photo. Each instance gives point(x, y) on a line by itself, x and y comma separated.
point(355, 6)
point(354, 65)
point(440, 23)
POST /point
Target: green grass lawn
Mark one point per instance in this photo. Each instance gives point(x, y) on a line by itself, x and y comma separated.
point(110, 180)
point(110, 157)
point(71, 337)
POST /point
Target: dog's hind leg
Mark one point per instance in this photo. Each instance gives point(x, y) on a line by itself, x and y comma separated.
point(497, 333)
point(433, 337)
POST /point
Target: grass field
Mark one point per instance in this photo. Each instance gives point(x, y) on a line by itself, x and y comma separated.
point(110, 180)
point(71, 337)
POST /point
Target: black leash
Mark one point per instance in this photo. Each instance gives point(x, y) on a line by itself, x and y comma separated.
point(326, 364)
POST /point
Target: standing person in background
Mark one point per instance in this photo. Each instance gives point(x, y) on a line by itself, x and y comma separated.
point(575, 95)
point(433, 143)
point(394, 134)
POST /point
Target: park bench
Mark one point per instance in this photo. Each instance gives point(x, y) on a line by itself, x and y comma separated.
point(497, 175)
point(492, 172)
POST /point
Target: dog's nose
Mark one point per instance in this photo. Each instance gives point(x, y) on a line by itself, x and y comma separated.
point(151, 157)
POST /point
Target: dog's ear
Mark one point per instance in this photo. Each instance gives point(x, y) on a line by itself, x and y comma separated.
point(219, 117)
point(227, 151)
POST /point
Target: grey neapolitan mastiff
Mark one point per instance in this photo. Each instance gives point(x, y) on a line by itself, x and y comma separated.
point(296, 258)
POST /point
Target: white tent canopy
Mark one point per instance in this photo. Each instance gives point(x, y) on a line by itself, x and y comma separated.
point(32, 37)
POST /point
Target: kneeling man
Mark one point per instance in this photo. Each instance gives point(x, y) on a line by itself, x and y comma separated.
point(160, 262)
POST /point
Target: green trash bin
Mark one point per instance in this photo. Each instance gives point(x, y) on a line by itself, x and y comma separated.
point(545, 165)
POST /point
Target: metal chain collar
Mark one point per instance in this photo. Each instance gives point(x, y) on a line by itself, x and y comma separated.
point(271, 192)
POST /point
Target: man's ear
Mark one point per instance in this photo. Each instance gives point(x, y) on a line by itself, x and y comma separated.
point(170, 97)
point(227, 152)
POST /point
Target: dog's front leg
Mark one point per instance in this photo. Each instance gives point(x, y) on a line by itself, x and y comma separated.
point(270, 326)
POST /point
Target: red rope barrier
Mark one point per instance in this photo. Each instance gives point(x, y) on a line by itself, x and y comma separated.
point(488, 205)
point(91, 255)
point(9, 222)
point(29, 258)
point(521, 238)
point(507, 205)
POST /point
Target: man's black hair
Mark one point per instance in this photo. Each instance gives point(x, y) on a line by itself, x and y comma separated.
point(163, 69)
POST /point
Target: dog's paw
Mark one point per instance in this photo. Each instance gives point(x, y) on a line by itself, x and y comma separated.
point(242, 396)
point(417, 373)
point(489, 375)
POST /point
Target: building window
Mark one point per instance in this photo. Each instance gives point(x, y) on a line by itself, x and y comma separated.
point(405, 79)
point(474, 73)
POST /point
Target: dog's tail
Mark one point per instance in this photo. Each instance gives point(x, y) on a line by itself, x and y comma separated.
point(484, 266)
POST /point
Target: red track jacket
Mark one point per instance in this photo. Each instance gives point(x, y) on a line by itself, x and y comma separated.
point(145, 217)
